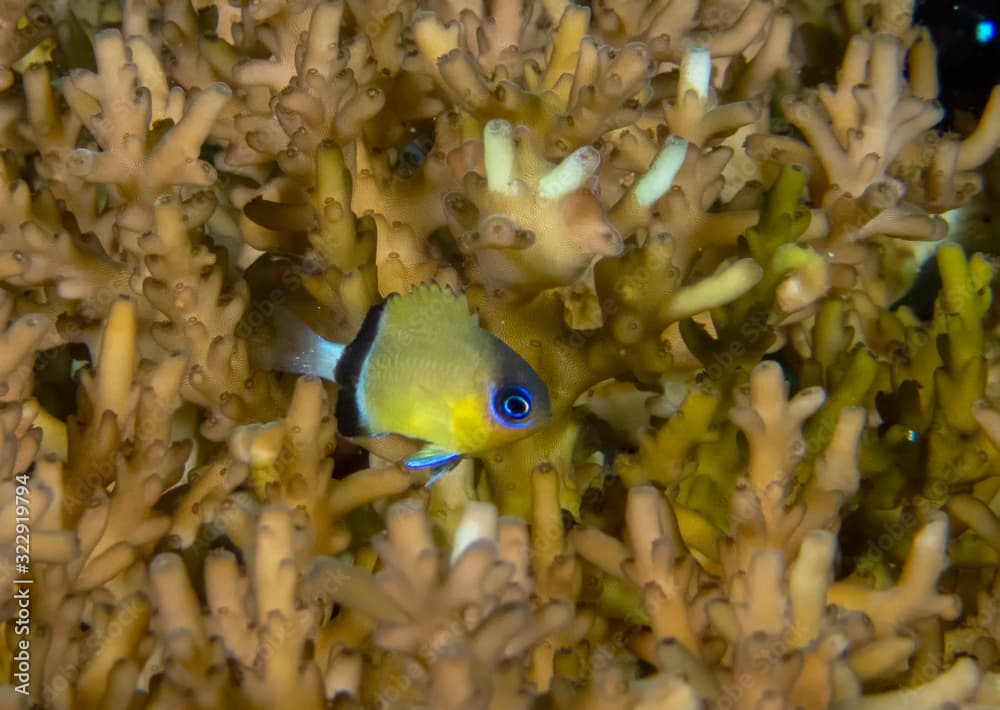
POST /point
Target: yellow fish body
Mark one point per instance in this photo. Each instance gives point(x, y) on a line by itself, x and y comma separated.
point(420, 366)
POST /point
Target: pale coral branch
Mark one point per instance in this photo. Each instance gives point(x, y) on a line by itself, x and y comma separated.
point(728, 284)
point(915, 594)
point(953, 686)
point(808, 579)
point(984, 140)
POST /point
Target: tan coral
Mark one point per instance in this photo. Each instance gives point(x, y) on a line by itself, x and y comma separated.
point(120, 118)
point(692, 116)
point(864, 129)
point(914, 596)
point(18, 342)
point(320, 85)
point(659, 566)
point(431, 610)
point(56, 133)
point(581, 89)
point(289, 463)
point(263, 630)
point(186, 284)
point(762, 517)
point(35, 250)
point(531, 224)
point(671, 28)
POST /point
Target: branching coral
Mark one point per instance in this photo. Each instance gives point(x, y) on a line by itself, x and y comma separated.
point(120, 116)
point(762, 485)
point(530, 224)
point(456, 620)
point(37, 250)
point(580, 90)
point(317, 91)
point(185, 283)
point(870, 137)
point(288, 463)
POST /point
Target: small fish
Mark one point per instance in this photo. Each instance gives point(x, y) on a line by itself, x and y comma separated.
point(420, 366)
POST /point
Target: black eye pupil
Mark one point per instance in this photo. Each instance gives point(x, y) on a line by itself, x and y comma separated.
point(515, 405)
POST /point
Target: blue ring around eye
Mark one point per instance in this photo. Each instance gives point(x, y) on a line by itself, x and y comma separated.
point(512, 405)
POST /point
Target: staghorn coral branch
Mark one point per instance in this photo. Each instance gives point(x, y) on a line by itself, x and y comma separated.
point(320, 85)
point(808, 581)
point(958, 682)
point(914, 596)
point(692, 116)
point(772, 423)
point(179, 618)
point(117, 108)
point(630, 211)
point(658, 564)
point(118, 639)
point(869, 124)
point(35, 250)
point(727, 285)
point(202, 320)
point(415, 605)
point(578, 89)
point(984, 141)
point(18, 342)
point(535, 224)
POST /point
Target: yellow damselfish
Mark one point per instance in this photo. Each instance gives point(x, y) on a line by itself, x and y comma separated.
point(421, 366)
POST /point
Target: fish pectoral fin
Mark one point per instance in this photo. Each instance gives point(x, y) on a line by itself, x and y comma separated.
point(431, 457)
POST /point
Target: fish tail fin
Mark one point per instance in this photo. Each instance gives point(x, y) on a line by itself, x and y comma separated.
point(292, 346)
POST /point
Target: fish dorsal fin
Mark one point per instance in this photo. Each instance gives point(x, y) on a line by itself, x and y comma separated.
point(430, 303)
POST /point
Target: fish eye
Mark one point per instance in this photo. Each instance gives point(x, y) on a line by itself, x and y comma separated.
point(512, 404)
